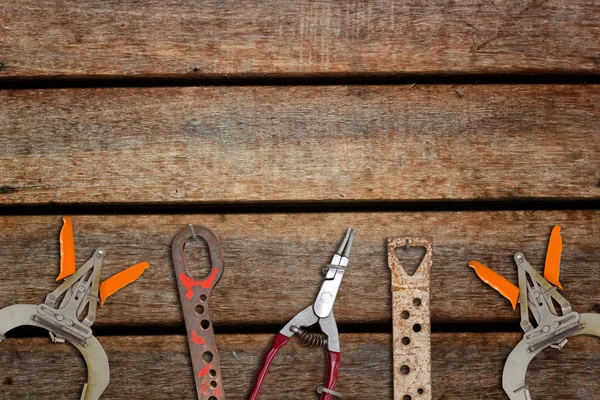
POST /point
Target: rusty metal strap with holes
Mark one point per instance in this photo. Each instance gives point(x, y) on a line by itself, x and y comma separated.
point(412, 328)
point(195, 297)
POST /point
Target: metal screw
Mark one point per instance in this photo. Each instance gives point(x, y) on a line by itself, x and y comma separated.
point(69, 322)
point(546, 329)
point(60, 317)
point(51, 297)
point(556, 324)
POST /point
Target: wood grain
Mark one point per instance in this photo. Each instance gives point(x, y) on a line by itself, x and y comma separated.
point(465, 366)
point(87, 38)
point(298, 144)
point(280, 256)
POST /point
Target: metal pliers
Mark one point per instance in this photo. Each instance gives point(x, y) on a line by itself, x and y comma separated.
point(64, 319)
point(551, 330)
point(320, 311)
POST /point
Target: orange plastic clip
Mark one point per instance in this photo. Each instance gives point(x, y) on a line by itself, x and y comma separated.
point(117, 282)
point(552, 268)
point(497, 281)
point(67, 250)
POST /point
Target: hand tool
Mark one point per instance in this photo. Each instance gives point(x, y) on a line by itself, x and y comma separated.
point(194, 296)
point(537, 294)
point(64, 321)
point(412, 327)
point(320, 311)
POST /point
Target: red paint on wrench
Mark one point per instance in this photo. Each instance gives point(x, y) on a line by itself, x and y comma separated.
point(189, 283)
point(197, 339)
point(204, 370)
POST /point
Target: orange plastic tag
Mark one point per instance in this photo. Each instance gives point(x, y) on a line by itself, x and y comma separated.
point(497, 281)
point(117, 282)
point(552, 268)
point(67, 250)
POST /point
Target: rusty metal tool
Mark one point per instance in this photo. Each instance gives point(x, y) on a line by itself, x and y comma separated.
point(195, 297)
point(61, 314)
point(321, 311)
point(536, 295)
point(411, 318)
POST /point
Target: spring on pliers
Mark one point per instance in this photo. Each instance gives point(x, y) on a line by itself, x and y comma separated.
point(310, 339)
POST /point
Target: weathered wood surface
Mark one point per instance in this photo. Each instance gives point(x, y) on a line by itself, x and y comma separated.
point(280, 256)
point(291, 144)
point(465, 366)
point(73, 39)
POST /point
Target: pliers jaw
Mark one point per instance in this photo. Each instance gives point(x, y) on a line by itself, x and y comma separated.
point(340, 258)
point(334, 273)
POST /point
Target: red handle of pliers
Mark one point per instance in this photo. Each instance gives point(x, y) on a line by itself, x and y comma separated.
point(334, 360)
point(279, 341)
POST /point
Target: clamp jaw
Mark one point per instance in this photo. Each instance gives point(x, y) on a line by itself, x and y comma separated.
point(63, 323)
point(61, 314)
point(537, 295)
point(551, 330)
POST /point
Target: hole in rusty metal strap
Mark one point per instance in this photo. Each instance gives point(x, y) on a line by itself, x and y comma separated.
point(197, 258)
point(410, 257)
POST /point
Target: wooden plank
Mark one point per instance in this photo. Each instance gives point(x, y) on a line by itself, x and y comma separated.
point(465, 366)
point(292, 144)
point(280, 256)
point(217, 38)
